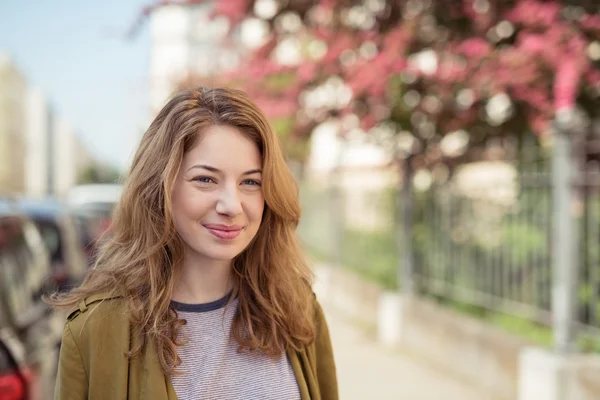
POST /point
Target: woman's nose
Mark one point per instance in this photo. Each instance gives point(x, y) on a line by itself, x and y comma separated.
point(229, 202)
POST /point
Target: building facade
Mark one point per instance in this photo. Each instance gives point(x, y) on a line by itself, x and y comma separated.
point(186, 41)
point(12, 126)
point(37, 157)
point(63, 157)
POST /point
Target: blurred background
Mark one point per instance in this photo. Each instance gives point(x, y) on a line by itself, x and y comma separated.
point(447, 154)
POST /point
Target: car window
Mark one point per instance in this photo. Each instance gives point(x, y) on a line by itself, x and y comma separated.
point(40, 265)
point(97, 210)
point(7, 361)
point(23, 267)
point(72, 246)
point(11, 350)
point(52, 239)
point(13, 279)
point(13, 297)
point(11, 359)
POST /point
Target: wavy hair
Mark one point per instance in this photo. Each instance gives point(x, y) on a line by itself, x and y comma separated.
point(142, 259)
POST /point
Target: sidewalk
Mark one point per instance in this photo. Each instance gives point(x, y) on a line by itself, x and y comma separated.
point(368, 371)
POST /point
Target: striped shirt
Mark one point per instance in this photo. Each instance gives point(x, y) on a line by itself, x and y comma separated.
point(213, 369)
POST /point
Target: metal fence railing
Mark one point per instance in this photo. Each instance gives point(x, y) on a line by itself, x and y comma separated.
point(482, 238)
point(488, 245)
point(588, 288)
point(353, 228)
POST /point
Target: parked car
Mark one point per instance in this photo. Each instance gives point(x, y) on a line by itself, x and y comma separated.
point(96, 198)
point(93, 205)
point(16, 378)
point(26, 322)
point(58, 227)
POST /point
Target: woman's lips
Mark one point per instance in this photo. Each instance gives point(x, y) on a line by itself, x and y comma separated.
point(224, 232)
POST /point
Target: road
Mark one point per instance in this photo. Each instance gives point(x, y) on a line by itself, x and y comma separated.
point(367, 370)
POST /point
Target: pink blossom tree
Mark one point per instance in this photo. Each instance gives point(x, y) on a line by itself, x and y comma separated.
point(491, 68)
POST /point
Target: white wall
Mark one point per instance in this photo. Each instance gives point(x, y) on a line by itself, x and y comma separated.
point(65, 159)
point(327, 151)
point(364, 175)
point(37, 130)
point(12, 125)
point(169, 53)
point(185, 40)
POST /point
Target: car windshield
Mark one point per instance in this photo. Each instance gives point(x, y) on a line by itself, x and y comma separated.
point(52, 238)
point(99, 210)
point(23, 270)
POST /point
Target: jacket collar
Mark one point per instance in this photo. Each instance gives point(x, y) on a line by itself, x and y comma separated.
point(83, 305)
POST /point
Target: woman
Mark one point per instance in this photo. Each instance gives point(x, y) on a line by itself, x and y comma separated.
point(202, 291)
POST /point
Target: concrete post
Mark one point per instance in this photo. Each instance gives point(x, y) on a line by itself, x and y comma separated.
point(404, 206)
point(337, 205)
point(565, 236)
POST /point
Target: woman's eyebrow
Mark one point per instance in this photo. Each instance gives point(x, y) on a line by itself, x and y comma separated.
point(218, 171)
point(253, 171)
point(206, 167)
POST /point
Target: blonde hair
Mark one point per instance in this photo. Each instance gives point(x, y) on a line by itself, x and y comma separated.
point(142, 259)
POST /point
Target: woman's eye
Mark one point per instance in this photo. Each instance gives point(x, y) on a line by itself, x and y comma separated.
point(203, 179)
point(251, 182)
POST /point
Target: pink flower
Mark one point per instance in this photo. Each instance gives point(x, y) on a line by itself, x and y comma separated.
point(593, 77)
point(539, 123)
point(234, 10)
point(534, 13)
point(395, 40)
point(277, 107)
point(327, 4)
point(306, 72)
point(532, 43)
point(591, 22)
point(337, 46)
point(475, 47)
point(398, 65)
point(367, 122)
point(566, 83)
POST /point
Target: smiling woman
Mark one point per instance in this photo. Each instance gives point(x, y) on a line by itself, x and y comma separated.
point(217, 209)
point(202, 291)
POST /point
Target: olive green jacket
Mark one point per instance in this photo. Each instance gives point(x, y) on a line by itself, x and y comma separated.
point(93, 363)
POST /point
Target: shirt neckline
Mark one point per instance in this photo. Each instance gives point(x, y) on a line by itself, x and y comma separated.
point(202, 307)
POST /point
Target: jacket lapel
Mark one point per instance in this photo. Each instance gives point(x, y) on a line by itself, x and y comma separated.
point(307, 382)
point(155, 385)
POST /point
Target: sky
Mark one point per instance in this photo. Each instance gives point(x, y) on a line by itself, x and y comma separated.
point(75, 53)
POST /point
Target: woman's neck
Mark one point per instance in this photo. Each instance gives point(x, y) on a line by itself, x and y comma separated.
point(203, 281)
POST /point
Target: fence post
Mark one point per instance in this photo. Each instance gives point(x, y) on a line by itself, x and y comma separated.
point(565, 238)
point(404, 209)
point(337, 205)
point(336, 198)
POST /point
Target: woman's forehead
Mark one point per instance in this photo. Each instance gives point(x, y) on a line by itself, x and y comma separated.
point(223, 147)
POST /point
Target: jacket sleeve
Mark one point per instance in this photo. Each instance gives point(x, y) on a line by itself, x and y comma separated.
point(71, 380)
point(326, 370)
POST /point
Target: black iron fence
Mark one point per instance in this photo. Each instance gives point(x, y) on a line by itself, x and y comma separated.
point(484, 237)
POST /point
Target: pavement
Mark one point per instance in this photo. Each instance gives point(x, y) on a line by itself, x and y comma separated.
point(369, 371)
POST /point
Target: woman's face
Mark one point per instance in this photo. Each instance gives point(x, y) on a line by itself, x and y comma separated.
point(217, 198)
